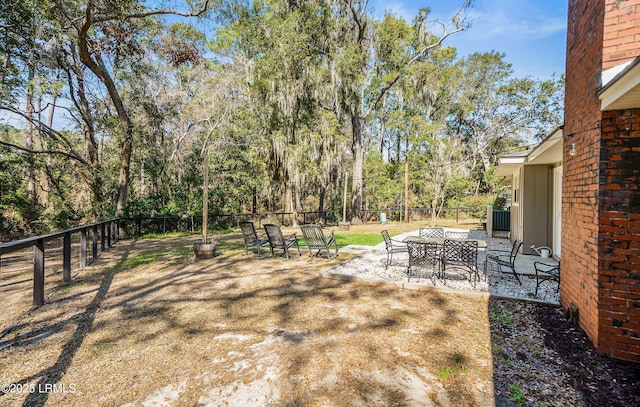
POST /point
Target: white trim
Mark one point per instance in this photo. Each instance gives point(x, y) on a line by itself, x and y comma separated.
point(619, 88)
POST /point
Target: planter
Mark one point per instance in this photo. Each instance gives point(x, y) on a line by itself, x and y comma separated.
point(204, 250)
point(344, 225)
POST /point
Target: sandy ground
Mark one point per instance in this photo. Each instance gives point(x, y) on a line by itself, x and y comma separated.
point(148, 325)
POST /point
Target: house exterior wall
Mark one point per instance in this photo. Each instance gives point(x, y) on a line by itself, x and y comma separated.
point(601, 201)
point(619, 235)
point(579, 287)
point(621, 32)
point(535, 204)
point(515, 226)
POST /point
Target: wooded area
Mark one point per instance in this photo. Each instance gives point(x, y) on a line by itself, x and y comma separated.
point(108, 108)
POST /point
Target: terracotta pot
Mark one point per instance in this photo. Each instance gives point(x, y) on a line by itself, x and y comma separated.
point(204, 250)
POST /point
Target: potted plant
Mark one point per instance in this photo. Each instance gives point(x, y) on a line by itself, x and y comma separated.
point(205, 249)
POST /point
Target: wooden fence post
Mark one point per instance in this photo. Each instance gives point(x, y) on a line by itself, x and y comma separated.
point(66, 257)
point(94, 245)
point(103, 238)
point(38, 273)
point(83, 248)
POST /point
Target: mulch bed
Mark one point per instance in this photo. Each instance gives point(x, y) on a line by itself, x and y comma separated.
point(546, 360)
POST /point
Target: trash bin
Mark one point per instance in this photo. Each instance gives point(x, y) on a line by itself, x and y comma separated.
point(383, 218)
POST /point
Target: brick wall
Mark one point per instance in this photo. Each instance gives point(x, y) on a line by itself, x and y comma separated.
point(621, 32)
point(601, 182)
point(581, 172)
point(619, 235)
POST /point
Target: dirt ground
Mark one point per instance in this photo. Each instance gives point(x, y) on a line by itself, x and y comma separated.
point(149, 325)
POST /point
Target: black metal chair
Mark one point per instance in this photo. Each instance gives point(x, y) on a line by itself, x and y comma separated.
point(316, 240)
point(392, 246)
point(423, 255)
point(456, 234)
point(546, 272)
point(503, 258)
point(251, 238)
point(431, 232)
point(460, 254)
point(278, 241)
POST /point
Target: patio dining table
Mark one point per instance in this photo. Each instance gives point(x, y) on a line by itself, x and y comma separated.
point(482, 244)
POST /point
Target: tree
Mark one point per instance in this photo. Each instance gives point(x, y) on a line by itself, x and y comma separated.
point(101, 28)
point(351, 63)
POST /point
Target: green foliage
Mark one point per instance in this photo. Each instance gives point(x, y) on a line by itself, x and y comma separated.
point(499, 203)
point(281, 98)
point(445, 372)
point(505, 318)
point(516, 394)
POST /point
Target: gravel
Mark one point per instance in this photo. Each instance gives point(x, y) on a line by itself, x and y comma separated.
point(370, 264)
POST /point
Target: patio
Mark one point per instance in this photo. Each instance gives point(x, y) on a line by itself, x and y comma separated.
point(370, 265)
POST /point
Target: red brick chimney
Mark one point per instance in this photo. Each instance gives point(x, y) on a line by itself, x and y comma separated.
point(601, 193)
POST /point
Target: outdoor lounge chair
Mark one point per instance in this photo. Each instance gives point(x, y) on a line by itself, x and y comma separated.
point(503, 258)
point(460, 254)
point(431, 232)
point(423, 255)
point(251, 238)
point(392, 246)
point(278, 241)
point(546, 272)
point(316, 240)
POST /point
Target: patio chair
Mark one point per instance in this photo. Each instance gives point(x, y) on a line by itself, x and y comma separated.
point(278, 241)
point(546, 272)
point(460, 254)
point(503, 258)
point(456, 234)
point(251, 238)
point(431, 232)
point(392, 246)
point(423, 255)
point(316, 240)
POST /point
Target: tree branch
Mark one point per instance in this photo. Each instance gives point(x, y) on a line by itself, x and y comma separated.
point(445, 27)
point(32, 151)
point(197, 13)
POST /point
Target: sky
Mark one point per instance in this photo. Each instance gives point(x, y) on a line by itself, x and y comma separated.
point(531, 33)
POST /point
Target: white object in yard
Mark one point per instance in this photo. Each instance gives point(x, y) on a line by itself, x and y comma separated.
point(543, 251)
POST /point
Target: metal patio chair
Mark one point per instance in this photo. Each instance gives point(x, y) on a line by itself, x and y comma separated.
point(546, 272)
point(392, 246)
point(431, 232)
point(423, 255)
point(461, 254)
point(503, 258)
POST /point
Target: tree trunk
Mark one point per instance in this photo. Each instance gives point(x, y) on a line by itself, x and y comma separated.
point(96, 65)
point(321, 216)
point(382, 128)
point(357, 148)
point(406, 185)
point(205, 196)
point(31, 174)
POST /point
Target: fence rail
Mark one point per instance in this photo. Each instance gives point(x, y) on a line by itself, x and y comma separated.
point(102, 233)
